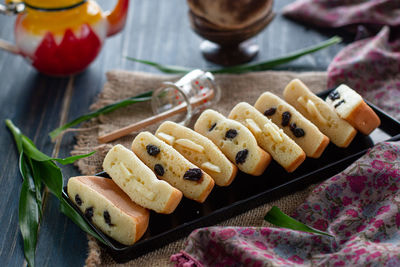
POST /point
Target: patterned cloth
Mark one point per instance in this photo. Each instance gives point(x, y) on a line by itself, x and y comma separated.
point(371, 67)
point(360, 207)
point(346, 14)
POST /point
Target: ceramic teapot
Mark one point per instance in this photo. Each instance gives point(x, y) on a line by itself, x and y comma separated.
point(62, 37)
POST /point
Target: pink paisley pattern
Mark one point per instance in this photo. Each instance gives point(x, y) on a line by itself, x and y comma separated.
point(345, 13)
point(371, 67)
point(360, 207)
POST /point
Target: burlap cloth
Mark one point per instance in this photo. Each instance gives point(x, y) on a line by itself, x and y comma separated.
point(235, 88)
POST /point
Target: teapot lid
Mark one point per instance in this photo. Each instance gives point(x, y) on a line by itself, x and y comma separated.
point(51, 4)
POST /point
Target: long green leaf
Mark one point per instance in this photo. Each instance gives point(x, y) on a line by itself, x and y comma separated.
point(69, 211)
point(163, 68)
point(27, 169)
point(104, 110)
point(266, 65)
point(16, 134)
point(31, 151)
point(28, 213)
point(281, 60)
point(72, 159)
point(37, 168)
point(34, 153)
point(280, 219)
point(50, 175)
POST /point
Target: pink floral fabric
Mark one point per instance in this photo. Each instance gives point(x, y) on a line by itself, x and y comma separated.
point(371, 67)
point(347, 14)
point(360, 207)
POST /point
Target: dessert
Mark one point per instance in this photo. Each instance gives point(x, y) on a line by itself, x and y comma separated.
point(293, 123)
point(351, 107)
point(169, 165)
point(270, 138)
point(139, 182)
point(234, 140)
point(339, 131)
point(199, 150)
point(105, 205)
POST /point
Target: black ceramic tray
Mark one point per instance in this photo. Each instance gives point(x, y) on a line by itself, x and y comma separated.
point(247, 192)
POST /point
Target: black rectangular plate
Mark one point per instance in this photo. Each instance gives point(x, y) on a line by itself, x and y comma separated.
point(247, 192)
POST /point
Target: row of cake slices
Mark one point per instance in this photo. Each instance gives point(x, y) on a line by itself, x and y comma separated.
point(177, 160)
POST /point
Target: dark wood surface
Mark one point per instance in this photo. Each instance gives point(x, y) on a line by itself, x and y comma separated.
point(156, 30)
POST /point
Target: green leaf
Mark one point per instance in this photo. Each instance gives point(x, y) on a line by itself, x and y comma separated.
point(72, 159)
point(16, 133)
point(104, 110)
point(266, 65)
point(69, 211)
point(50, 175)
point(163, 68)
point(37, 169)
point(276, 217)
point(26, 169)
point(28, 213)
point(31, 150)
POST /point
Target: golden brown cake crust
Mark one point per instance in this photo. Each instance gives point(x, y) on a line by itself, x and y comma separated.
point(364, 119)
point(206, 192)
point(110, 190)
point(175, 198)
point(321, 148)
point(349, 139)
point(296, 163)
point(265, 160)
point(111, 193)
point(234, 172)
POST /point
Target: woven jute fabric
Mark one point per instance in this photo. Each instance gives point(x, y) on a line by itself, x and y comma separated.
point(235, 88)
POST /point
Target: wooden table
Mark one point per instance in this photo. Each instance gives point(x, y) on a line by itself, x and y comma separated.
point(155, 30)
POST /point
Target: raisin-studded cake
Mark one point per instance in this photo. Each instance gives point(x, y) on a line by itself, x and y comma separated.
point(199, 150)
point(234, 140)
point(139, 182)
point(272, 139)
point(295, 125)
point(109, 208)
point(339, 131)
point(350, 106)
point(169, 165)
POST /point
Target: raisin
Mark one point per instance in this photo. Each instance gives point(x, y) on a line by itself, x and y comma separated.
point(286, 118)
point(194, 174)
point(152, 150)
point(107, 218)
point(89, 213)
point(159, 169)
point(270, 112)
point(334, 95)
point(78, 200)
point(298, 132)
point(339, 103)
point(212, 127)
point(241, 156)
point(231, 133)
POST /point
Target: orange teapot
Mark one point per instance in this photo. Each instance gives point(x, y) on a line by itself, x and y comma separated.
point(62, 37)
